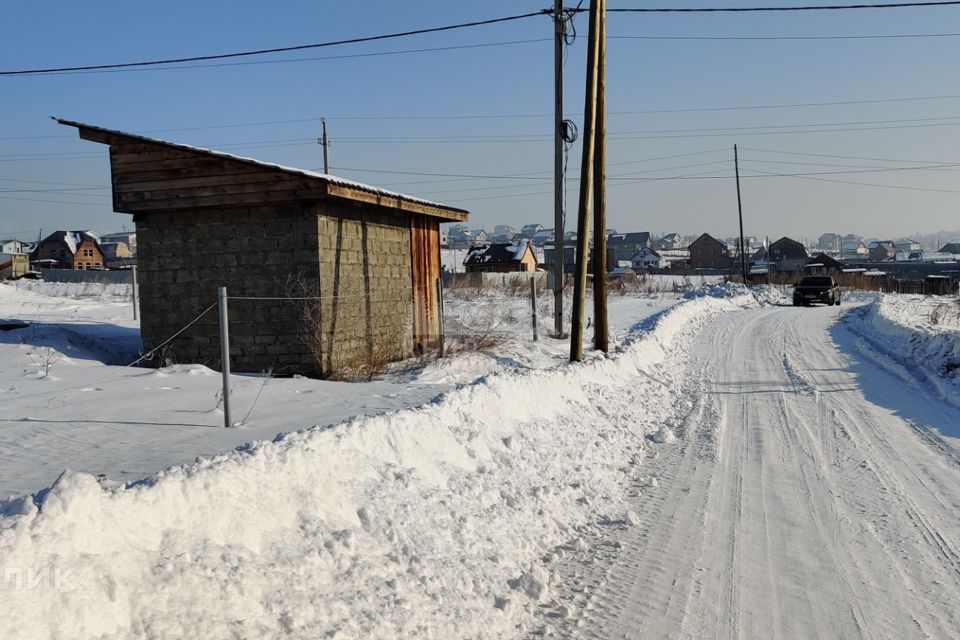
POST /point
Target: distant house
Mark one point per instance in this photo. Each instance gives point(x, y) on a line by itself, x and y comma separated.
point(129, 238)
point(647, 258)
point(829, 242)
point(675, 258)
point(951, 247)
point(479, 236)
point(115, 252)
point(542, 237)
point(14, 246)
point(759, 262)
point(854, 249)
point(823, 264)
point(905, 245)
point(13, 265)
point(529, 230)
point(569, 255)
point(788, 255)
point(459, 236)
point(706, 252)
point(501, 257)
point(623, 246)
point(503, 233)
point(880, 250)
point(669, 241)
point(70, 250)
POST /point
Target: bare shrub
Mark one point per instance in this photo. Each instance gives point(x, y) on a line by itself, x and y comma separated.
point(483, 328)
point(304, 293)
point(265, 376)
point(44, 360)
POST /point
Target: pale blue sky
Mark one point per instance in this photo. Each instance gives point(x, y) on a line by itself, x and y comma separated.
point(506, 81)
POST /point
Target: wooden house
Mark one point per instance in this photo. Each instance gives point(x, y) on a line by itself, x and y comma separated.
point(326, 276)
point(501, 257)
point(706, 252)
point(822, 264)
point(70, 250)
point(788, 255)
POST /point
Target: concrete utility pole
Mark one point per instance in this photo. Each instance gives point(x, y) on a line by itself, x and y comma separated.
point(559, 275)
point(586, 182)
point(326, 147)
point(600, 331)
point(225, 354)
point(743, 249)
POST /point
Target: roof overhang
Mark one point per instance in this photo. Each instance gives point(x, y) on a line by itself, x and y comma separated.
point(332, 186)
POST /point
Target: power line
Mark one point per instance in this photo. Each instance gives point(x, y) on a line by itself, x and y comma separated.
point(864, 184)
point(878, 36)
point(827, 155)
point(257, 52)
point(464, 25)
point(59, 184)
point(518, 115)
point(528, 173)
point(373, 54)
point(82, 204)
point(820, 7)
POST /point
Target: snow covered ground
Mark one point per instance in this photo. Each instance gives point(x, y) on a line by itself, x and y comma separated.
point(736, 468)
point(90, 413)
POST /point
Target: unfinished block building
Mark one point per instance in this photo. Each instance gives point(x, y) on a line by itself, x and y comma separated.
point(326, 276)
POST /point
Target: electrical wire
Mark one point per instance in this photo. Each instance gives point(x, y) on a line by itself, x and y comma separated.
point(865, 184)
point(257, 52)
point(827, 155)
point(374, 54)
point(464, 25)
point(879, 36)
point(788, 8)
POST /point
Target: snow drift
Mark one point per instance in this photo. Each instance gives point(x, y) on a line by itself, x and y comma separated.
point(440, 521)
point(923, 337)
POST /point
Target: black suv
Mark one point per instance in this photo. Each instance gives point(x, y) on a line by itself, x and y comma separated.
point(816, 289)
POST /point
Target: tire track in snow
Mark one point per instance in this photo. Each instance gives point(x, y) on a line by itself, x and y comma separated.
point(822, 514)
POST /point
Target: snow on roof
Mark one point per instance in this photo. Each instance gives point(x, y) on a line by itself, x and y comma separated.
point(73, 240)
point(497, 252)
point(304, 172)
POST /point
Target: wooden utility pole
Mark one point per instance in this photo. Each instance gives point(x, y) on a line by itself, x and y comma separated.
point(743, 249)
point(326, 147)
point(600, 330)
point(559, 275)
point(586, 182)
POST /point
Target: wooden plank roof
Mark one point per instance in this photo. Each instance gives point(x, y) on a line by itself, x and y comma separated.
point(331, 186)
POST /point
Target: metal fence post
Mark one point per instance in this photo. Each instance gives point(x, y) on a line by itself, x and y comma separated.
point(136, 292)
point(533, 305)
point(440, 315)
point(225, 356)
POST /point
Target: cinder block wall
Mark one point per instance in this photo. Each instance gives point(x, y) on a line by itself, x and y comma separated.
point(185, 256)
point(355, 257)
point(365, 281)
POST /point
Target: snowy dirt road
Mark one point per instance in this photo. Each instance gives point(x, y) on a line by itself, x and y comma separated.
point(811, 494)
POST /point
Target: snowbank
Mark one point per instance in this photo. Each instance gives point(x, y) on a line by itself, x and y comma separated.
point(433, 522)
point(922, 334)
point(115, 292)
